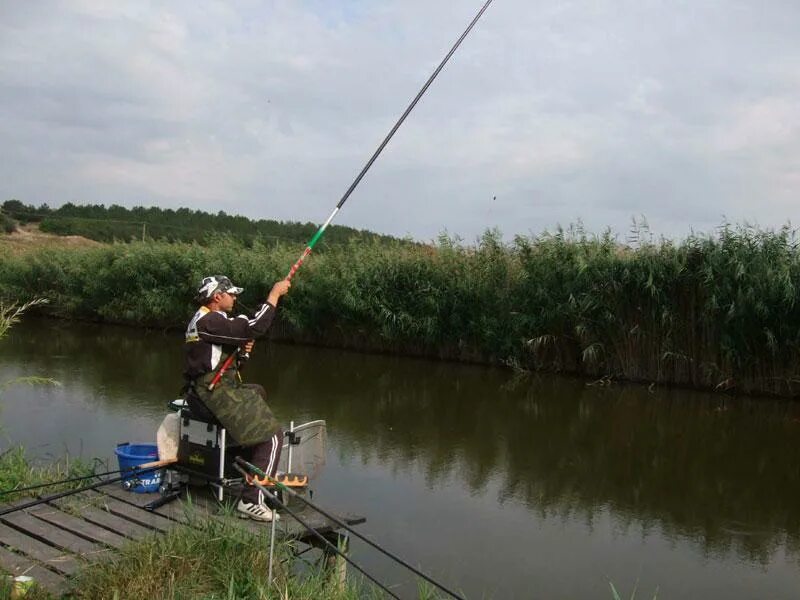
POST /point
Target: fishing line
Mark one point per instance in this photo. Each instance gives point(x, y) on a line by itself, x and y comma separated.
point(315, 238)
point(346, 527)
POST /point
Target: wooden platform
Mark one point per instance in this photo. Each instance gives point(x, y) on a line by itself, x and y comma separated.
point(51, 541)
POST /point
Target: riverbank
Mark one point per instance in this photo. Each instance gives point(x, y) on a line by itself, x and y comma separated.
point(708, 312)
point(207, 557)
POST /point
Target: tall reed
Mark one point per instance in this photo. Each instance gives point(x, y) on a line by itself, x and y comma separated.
point(709, 311)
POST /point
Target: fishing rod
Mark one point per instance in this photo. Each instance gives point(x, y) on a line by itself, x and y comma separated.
point(62, 481)
point(382, 145)
point(317, 534)
point(255, 470)
point(140, 469)
point(316, 237)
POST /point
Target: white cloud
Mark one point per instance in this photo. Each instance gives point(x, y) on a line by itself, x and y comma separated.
point(592, 110)
point(763, 124)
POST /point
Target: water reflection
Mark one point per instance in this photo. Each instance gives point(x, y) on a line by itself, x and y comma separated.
point(721, 473)
point(720, 470)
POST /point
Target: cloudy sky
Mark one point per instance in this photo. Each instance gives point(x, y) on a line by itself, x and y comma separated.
point(604, 110)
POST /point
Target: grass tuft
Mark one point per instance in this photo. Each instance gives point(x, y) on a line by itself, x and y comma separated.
point(212, 559)
point(18, 471)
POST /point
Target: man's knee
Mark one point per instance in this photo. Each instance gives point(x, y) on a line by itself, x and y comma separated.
point(259, 389)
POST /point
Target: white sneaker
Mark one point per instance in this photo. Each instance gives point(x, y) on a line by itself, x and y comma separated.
point(255, 511)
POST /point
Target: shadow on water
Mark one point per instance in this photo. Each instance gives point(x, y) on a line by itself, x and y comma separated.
point(722, 472)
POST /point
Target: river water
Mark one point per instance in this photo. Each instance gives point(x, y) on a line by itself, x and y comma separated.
point(502, 487)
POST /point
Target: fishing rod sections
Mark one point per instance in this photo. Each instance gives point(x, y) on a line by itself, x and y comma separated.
point(385, 141)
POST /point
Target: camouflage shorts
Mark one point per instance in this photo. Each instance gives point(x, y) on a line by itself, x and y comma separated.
point(241, 408)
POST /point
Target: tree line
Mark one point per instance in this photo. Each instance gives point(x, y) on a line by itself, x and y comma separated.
point(118, 223)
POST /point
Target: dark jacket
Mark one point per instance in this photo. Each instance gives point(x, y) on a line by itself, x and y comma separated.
point(212, 335)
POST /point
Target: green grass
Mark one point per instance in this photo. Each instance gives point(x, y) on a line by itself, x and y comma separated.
point(212, 559)
point(18, 471)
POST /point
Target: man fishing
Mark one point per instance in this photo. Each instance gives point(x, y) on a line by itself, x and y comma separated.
point(211, 337)
point(240, 408)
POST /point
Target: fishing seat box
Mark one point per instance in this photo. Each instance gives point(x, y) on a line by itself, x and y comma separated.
point(205, 448)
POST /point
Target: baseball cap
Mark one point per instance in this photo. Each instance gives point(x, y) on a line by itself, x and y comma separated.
point(216, 284)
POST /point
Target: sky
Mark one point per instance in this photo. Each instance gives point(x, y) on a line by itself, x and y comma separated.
point(686, 114)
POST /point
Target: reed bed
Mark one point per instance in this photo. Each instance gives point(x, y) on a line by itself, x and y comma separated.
point(713, 311)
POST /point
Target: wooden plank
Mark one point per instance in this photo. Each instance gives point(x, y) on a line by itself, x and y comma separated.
point(129, 497)
point(288, 527)
point(78, 526)
point(190, 506)
point(55, 536)
point(202, 500)
point(89, 509)
point(323, 525)
point(177, 509)
point(293, 529)
point(172, 511)
point(351, 519)
point(133, 513)
point(17, 564)
point(121, 525)
point(52, 557)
